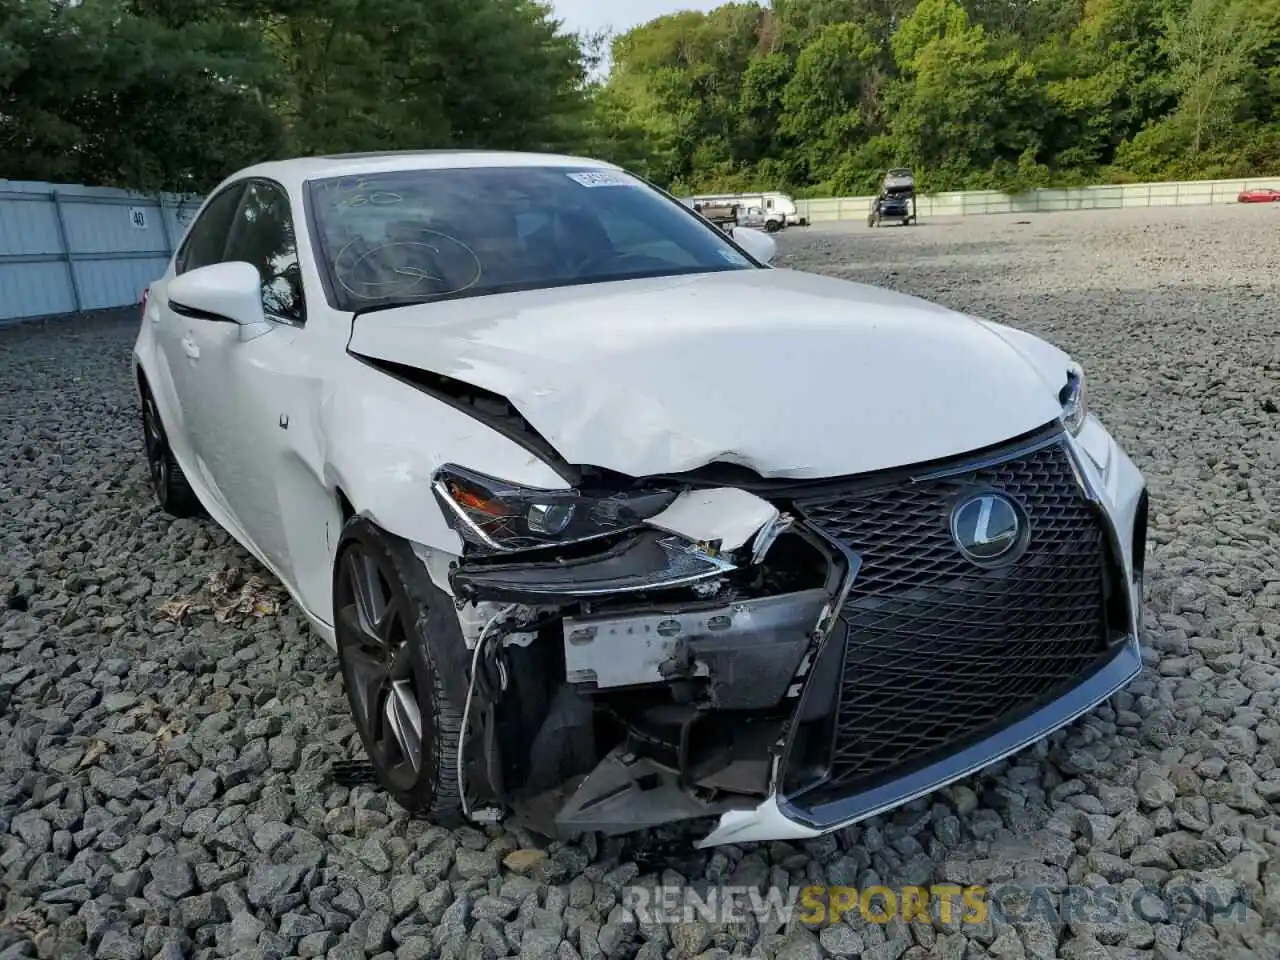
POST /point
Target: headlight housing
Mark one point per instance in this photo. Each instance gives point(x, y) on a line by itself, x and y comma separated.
point(1075, 408)
point(500, 517)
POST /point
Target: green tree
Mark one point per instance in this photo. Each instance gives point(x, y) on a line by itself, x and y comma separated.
point(679, 78)
point(828, 107)
point(100, 94)
point(1103, 80)
point(812, 95)
point(969, 111)
point(378, 74)
point(178, 93)
point(1008, 93)
point(802, 20)
point(1210, 45)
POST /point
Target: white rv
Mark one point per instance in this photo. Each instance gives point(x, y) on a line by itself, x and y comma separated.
point(769, 205)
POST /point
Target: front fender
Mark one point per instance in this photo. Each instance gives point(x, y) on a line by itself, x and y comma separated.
point(151, 367)
point(384, 439)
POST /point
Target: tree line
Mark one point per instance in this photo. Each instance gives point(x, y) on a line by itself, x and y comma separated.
point(813, 96)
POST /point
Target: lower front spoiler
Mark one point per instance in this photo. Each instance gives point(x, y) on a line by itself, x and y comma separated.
point(779, 819)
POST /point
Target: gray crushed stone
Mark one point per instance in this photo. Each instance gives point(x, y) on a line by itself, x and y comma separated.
point(164, 778)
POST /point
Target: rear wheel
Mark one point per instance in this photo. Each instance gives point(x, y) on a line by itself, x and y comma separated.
point(409, 727)
point(169, 483)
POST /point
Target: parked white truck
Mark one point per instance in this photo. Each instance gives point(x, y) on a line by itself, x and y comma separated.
point(770, 210)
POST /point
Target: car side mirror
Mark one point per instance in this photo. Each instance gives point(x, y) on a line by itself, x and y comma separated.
point(760, 245)
point(220, 292)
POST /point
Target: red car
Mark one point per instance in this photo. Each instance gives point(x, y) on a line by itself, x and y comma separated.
point(1259, 195)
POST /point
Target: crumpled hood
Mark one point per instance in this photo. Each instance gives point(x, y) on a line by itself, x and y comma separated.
point(791, 374)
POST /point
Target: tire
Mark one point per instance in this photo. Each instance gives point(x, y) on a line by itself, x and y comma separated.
point(382, 597)
point(168, 482)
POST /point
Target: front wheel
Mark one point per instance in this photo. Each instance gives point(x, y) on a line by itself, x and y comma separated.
point(168, 482)
point(409, 727)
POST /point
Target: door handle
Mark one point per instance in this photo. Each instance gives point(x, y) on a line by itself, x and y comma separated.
point(190, 349)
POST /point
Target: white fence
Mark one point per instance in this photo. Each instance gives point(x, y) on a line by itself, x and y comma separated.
point(1046, 200)
point(64, 248)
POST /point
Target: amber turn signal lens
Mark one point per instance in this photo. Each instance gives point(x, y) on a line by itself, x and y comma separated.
point(472, 501)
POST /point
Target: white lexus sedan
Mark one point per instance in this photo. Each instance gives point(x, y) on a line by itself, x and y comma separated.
point(612, 524)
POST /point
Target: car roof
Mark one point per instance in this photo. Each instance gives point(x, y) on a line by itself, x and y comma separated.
point(299, 170)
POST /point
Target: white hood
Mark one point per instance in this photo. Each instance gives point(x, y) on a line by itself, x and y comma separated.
point(791, 374)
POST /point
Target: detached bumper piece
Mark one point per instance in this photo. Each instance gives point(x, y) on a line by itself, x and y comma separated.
point(650, 560)
point(933, 655)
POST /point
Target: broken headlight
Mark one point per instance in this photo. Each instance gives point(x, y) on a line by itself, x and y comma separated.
point(495, 515)
point(1072, 397)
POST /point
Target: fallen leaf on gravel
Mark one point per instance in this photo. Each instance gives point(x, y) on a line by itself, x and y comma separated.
point(232, 597)
point(141, 711)
point(522, 861)
point(96, 749)
point(170, 729)
point(253, 599)
point(175, 609)
point(223, 582)
point(28, 922)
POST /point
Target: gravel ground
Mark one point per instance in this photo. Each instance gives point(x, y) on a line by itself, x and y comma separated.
point(167, 724)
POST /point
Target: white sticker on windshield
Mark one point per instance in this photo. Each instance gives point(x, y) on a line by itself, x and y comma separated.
point(601, 178)
point(734, 257)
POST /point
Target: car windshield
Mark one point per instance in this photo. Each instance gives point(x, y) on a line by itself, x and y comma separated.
point(416, 235)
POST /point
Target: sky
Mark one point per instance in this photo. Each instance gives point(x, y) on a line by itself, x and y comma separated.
point(620, 15)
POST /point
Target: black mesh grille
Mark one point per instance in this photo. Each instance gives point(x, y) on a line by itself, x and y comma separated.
point(941, 651)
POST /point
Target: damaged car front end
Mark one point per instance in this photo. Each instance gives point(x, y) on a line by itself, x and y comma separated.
point(788, 656)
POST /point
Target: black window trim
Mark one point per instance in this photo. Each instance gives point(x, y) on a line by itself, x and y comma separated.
point(322, 264)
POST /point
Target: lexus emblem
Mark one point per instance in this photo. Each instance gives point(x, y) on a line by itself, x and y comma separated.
point(987, 527)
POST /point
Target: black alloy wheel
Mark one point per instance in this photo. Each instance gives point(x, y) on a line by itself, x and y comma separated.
point(168, 482)
point(409, 729)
